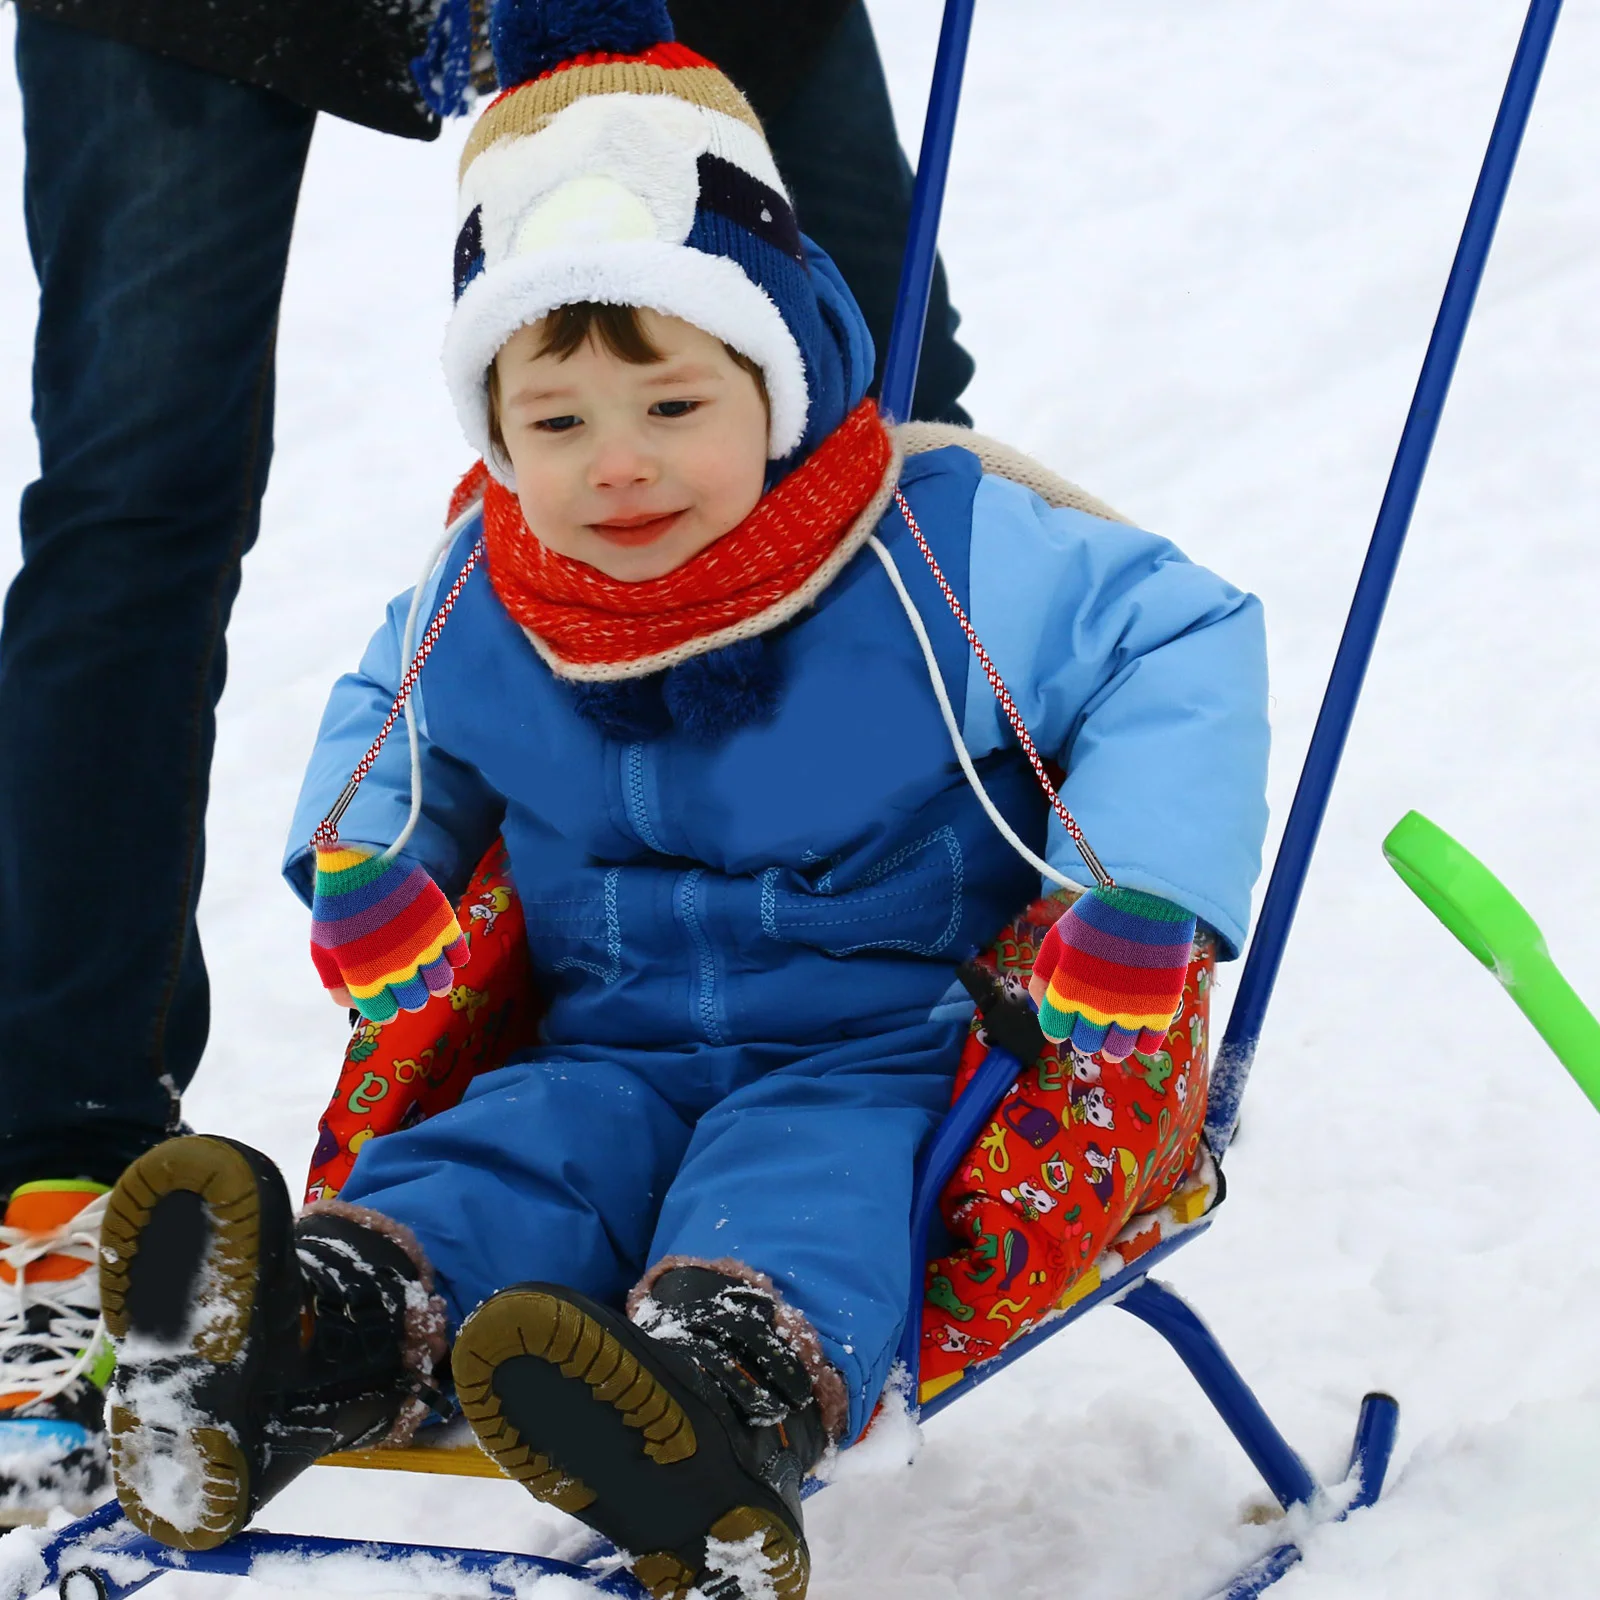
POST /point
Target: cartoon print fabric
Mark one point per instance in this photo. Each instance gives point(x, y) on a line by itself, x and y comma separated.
point(1076, 1148)
point(419, 1063)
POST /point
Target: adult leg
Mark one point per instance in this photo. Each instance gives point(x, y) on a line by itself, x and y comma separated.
point(159, 209)
point(836, 145)
point(805, 1176)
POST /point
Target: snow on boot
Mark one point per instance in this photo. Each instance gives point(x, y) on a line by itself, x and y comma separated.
point(247, 1345)
point(54, 1357)
point(681, 1436)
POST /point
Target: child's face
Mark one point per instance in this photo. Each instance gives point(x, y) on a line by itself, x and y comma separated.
point(632, 469)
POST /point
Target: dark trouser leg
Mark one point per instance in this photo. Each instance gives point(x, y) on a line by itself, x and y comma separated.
point(159, 209)
point(836, 146)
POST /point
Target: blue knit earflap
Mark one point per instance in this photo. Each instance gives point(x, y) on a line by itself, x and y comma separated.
point(532, 36)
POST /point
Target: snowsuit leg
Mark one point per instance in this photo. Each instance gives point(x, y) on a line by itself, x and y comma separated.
point(806, 1175)
point(551, 1169)
point(586, 1167)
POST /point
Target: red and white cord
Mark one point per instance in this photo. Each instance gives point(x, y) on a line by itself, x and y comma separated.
point(1001, 693)
point(327, 835)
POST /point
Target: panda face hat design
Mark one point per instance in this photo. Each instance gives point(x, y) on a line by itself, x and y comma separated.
point(635, 176)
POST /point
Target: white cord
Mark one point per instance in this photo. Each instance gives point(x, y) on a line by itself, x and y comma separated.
point(1007, 832)
point(408, 645)
point(43, 1362)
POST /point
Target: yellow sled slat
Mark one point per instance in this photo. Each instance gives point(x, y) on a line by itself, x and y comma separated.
point(454, 1461)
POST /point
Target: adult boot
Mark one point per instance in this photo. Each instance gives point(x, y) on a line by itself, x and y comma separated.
point(247, 1344)
point(682, 1435)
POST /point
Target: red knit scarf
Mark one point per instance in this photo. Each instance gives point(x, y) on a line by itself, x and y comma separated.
point(587, 619)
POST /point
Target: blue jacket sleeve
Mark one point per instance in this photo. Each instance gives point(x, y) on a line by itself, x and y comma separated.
point(460, 812)
point(1145, 676)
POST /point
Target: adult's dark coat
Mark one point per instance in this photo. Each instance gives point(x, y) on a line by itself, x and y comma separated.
point(352, 57)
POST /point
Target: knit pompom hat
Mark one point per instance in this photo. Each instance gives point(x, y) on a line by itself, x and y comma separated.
point(621, 167)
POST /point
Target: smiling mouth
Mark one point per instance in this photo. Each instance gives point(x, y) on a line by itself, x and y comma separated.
point(634, 531)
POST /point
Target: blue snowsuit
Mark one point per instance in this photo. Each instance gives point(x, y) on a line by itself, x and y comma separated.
point(748, 949)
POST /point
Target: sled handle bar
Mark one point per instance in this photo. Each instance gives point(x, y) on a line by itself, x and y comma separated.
point(1238, 1050)
point(927, 203)
point(1488, 919)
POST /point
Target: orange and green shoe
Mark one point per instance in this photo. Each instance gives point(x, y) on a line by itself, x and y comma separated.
point(55, 1359)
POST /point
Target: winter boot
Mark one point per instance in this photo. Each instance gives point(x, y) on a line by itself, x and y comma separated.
point(248, 1345)
point(682, 1435)
point(54, 1356)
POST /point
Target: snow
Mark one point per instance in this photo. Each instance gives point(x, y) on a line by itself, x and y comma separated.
point(743, 1560)
point(1198, 249)
point(22, 1567)
point(890, 1445)
point(161, 1460)
point(357, 1573)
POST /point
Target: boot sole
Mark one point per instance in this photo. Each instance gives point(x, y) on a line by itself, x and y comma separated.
point(627, 1464)
point(227, 1186)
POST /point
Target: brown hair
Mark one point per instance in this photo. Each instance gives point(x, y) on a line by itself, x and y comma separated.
point(618, 330)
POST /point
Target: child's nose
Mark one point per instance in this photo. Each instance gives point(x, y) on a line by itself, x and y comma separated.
point(621, 463)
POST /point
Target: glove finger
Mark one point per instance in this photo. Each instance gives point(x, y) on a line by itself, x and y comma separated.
point(378, 1007)
point(1088, 1036)
point(411, 994)
point(1119, 1043)
point(1056, 1022)
point(438, 975)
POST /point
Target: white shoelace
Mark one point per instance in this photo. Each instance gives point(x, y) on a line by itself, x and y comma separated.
point(45, 1362)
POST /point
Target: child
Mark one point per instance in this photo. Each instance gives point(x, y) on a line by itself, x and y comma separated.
point(669, 1244)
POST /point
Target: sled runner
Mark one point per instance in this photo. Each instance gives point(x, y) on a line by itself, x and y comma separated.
point(101, 1557)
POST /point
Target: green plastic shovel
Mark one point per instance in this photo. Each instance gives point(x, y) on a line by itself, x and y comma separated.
point(1486, 917)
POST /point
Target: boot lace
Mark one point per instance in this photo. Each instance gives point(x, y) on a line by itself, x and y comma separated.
point(50, 1332)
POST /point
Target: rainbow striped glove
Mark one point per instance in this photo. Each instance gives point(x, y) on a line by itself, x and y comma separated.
point(1109, 975)
point(383, 936)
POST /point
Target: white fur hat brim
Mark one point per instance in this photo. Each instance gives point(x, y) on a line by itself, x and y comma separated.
point(711, 292)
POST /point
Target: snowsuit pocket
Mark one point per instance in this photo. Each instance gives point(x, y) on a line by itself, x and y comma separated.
point(911, 901)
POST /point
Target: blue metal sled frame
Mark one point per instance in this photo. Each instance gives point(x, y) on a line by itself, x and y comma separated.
point(101, 1557)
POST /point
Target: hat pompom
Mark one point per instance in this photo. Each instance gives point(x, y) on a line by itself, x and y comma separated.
point(529, 37)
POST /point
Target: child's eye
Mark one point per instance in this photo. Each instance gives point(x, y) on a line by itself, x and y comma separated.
point(674, 408)
point(557, 424)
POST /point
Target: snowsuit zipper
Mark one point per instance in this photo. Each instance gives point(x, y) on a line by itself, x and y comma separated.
point(688, 898)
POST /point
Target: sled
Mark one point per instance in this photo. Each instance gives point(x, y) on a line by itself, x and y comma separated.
point(101, 1557)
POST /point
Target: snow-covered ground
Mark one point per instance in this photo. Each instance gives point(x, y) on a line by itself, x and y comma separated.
point(1198, 247)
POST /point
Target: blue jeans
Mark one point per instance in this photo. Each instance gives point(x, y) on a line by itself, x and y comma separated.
point(159, 209)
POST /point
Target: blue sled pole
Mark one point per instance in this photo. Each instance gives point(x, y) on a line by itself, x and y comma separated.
point(1238, 1050)
point(927, 204)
